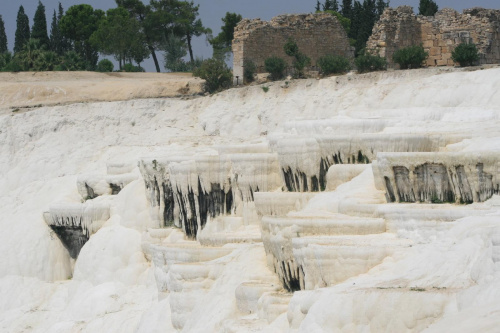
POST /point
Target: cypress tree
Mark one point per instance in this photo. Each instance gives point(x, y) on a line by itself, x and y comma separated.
point(55, 35)
point(3, 37)
point(64, 45)
point(22, 30)
point(335, 6)
point(347, 8)
point(39, 30)
point(331, 5)
point(381, 6)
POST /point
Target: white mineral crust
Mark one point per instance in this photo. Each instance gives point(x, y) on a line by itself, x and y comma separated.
point(235, 166)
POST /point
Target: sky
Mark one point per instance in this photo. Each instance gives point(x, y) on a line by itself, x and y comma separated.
point(211, 12)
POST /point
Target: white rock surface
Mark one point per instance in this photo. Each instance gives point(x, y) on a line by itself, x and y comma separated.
point(380, 267)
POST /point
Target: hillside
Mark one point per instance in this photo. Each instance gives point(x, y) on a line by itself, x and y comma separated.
point(354, 203)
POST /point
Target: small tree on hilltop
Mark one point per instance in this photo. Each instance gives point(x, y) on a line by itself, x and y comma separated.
point(427, 8)
point(216, 74)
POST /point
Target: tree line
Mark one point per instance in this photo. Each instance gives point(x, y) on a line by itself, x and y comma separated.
point(134, 31)
point(131, 33)
point(359, 17)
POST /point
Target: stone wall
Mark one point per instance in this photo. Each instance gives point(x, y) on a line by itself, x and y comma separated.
point(438, 34)
point(316, 35)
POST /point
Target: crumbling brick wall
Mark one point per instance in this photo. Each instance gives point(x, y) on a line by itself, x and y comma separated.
point(316, 35)
point(438, 34)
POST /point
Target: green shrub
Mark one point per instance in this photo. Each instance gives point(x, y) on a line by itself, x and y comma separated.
point(291, 48)
point(367, 62)
point(132, 68)
point(72, 61)
point(105, 65)
point(275, 66)
point(410, 57)
point(465, 54)
point(301, 61)
point(249, 70)
point(5, 59)
point(332, 64)
point(216, 74)
point(181, 66)
point(14, 65)
point(46, 61)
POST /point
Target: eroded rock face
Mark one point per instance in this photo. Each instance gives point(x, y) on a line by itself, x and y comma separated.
point(438, 177)
point(305, 162)
point(439, 34)
point(188, 191)
point(92, 186)
point(72, 237)
point(75, 223)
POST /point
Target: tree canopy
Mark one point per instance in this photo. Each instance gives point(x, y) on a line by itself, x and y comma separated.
point(188, 24)
point(78, 24)
point(147, 19)
point(120, 35)
point(132, 31)
point(427, 8)
point(221, 44)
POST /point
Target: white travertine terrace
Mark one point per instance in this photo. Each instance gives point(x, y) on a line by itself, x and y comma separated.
point(214, 230)
point(88, 216)
point(444, 177)
point(91, 186)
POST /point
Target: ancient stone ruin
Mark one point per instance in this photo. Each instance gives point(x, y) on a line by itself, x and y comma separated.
point(439, 34)
point(316, 35)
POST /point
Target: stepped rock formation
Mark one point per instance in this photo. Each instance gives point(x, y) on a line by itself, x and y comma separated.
point(352, 203)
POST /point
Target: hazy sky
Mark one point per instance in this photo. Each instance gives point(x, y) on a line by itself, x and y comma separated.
point(211, 12)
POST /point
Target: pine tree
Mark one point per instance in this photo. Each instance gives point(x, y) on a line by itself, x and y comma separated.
point(22, 30)
point(39, 30)
point(3, 37)
point(318, 6)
